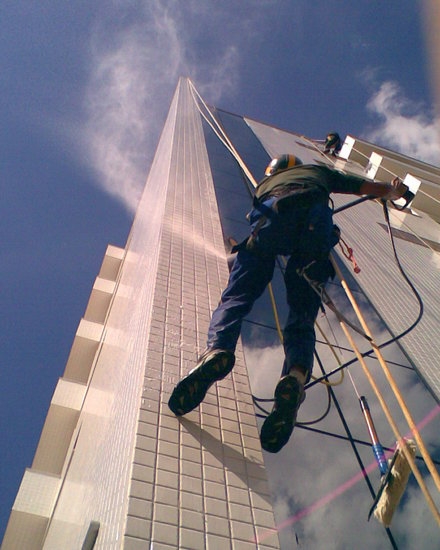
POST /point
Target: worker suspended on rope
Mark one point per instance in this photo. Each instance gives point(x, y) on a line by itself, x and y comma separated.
point(333, 144)
point(290, 217)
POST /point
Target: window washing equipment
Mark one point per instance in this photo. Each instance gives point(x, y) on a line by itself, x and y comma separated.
point(404, 447)
point(377, 447)
point(394, 472)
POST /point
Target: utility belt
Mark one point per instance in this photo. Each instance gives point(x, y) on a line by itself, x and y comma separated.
point(298, 198)
point(296, 205)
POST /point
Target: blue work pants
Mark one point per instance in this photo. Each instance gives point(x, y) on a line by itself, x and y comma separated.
point(253, 269)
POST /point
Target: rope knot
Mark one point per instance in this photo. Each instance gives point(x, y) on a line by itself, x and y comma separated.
point(348, 253)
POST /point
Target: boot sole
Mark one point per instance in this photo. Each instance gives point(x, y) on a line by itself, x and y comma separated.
point(278, 426)
point(191, 390)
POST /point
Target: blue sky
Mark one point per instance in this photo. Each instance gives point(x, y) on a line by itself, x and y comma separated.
point(85, 90)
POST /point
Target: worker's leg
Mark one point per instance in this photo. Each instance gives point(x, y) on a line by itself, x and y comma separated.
point(304, 302)
point(249, 277)
point(299, 346)
point(250, 274)
point(299, 331)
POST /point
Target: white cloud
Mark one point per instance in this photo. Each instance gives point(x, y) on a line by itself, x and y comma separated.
point(404, 126)
point(264, 369)
point(134, 69)
point(125, 81)
point(414, 515)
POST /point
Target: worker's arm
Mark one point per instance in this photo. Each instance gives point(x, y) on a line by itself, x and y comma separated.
point(348, 183)
point(387, 191)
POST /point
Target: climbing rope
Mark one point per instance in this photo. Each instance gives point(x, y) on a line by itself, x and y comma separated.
point(220, 133)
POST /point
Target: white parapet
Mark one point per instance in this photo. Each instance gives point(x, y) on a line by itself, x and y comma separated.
point(31, 511)
point(83, 351)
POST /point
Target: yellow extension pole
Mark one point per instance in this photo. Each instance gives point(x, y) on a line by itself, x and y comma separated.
point(393, 425)
point(275, 312)
point(398, 396)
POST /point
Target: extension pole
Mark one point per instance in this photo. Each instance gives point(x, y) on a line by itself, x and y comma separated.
point(389, 377)
point(399, 398)
point(393, 425)
point(377, 447)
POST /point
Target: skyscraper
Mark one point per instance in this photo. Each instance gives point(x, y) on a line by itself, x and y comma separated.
point(114, 468)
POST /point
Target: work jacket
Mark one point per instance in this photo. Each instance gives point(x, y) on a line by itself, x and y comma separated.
point(314, 182)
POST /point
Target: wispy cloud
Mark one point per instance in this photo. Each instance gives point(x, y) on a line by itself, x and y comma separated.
point(134, 69)
point(404, 125)
point(127, 77)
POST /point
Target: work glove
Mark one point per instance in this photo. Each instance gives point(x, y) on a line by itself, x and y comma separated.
point(397, 191)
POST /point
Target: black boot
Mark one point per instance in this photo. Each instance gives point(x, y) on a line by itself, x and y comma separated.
point(213, 365)
point(278, 426)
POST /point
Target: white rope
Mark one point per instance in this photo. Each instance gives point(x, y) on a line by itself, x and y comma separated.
point(221, 134)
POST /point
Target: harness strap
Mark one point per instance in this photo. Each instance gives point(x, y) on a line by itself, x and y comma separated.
point(319, 288)
point(265, 210)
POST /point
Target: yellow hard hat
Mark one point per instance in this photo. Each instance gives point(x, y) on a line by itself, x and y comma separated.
point(283, 162)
